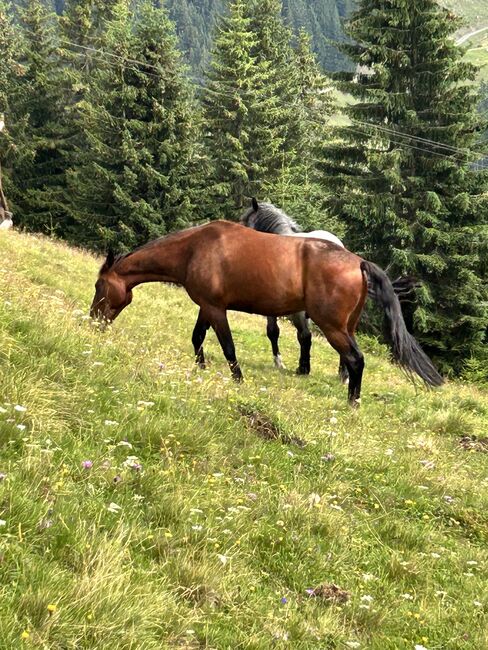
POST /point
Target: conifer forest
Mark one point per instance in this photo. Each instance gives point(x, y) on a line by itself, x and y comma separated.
point(125, 121)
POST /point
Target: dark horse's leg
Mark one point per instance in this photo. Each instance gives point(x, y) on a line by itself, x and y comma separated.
point(352, 358)
point(273, 332)
point(304, 337)
point(199, 334)
point(219, 322)
point(351, 328)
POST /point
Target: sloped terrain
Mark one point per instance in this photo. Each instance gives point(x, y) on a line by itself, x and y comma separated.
point(147, 504)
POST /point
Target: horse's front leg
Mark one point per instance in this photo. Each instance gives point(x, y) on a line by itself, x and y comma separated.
point(198, 337)
point(219, 322)
point(304, 337)
point(273, 332)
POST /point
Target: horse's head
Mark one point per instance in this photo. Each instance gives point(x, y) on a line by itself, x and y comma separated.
point(249, 217)
point(111, 293)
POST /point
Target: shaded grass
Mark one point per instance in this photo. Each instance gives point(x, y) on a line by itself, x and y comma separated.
point(190, 530)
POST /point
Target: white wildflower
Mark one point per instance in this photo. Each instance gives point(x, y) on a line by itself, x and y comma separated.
point(113, 507)
point(367, 598)
point(19, 408)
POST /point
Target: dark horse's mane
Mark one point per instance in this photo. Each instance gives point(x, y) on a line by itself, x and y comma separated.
point(266, 217)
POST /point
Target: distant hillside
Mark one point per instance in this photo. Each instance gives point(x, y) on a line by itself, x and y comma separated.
point(323, 19)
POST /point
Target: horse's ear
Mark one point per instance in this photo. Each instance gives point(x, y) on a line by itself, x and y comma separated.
point(107, 265)
point(255, 204)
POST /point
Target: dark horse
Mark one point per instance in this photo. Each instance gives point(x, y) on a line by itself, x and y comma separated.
point(223, 266)
point(266, 217)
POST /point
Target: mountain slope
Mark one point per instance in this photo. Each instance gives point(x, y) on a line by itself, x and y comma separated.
point(140, 507)
point(323, 19)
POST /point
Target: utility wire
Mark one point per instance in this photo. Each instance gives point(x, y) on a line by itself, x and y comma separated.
point(457, 153)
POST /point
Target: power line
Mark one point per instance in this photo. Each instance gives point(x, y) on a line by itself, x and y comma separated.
point(454, 156)
point(433, 143)
point(393, 134)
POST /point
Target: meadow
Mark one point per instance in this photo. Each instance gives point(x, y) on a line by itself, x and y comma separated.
point(147, 504)
point(478, 54)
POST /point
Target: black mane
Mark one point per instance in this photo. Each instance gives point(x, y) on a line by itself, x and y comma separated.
point(269, 218)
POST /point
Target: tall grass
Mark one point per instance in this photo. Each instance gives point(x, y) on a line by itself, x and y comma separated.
point(141, 508)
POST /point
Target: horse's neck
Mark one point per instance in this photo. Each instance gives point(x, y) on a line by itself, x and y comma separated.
point(163, 261)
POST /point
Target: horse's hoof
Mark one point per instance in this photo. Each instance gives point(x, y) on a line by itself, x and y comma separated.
point(239, 379)
point(355, 403)
point(302, 371)
point(202, 365)
point(279, 362)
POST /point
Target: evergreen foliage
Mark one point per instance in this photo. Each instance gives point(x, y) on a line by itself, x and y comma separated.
point(10, 74)
point(37, 168)
point(232, 110)
point(134, 180)
point(411, 206)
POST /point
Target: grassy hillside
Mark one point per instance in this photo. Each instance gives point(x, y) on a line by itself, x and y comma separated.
point(478, 53)
point(146, 504)
point(474, 12)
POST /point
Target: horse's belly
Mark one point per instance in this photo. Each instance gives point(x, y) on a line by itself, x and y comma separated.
point(273, 307)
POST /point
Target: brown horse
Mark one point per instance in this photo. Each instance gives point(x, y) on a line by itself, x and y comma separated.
point(223, 265)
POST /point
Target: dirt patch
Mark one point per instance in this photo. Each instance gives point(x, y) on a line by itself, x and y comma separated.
point(330, 593)
point(267, 429)
point(472, 443)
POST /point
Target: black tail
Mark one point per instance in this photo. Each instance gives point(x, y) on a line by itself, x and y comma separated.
point(405, 349)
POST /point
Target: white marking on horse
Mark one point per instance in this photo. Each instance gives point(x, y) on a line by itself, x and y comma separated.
point(318, 234)
point(279, 362)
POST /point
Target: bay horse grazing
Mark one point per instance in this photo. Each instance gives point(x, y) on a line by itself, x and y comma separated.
point(266, 217)
point(223, 265)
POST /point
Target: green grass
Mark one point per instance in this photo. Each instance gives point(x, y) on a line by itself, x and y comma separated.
point(220, 525)
point(473, 11)
point(478, 54)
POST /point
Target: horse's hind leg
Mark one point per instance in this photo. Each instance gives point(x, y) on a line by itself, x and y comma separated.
point(343, 372)
point(351, 357)
point(351, 328)
point(304, 337)
point(219, 322)
point(198, 337)
point(273, 332)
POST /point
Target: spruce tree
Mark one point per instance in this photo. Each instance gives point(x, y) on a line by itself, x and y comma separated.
point(10, 73)
point(232, 108)
point(415, 203)
point(134, 180)
point(275, 131)
point(38, 167)
point(297, 188)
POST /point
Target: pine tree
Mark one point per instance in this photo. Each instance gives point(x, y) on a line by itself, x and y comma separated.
point(297, 188)
point(38, 168)
point(275, 131)
point(408, 204)
point(10, 72)
point(134, 180)
point(233, 109)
